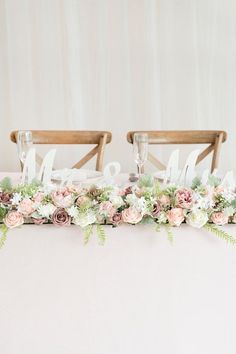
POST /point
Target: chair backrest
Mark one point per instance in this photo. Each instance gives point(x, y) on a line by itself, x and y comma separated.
point(97, 138)
point(214, 139)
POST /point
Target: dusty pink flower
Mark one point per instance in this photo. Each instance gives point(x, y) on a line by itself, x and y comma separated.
point(60, 217)
point(38, 197)
point(219, 218)
point(13, 219)
point(5, 198)
point(164, 200)
point(39, 221)
point(131, 215)
point(184, 198)
point(175, 216)
point(117, 218)
point(83, 199)
point(156, 209)
point(234, 218)
point(26, 207)
point(62, 198)
point(107, 209)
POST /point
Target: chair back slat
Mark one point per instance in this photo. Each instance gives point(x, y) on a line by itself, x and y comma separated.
point(212, 137)
point(75, 137)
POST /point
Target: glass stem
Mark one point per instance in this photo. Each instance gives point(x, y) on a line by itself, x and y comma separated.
point(139, 170)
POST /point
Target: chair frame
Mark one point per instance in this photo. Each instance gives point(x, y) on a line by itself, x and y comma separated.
point(212, 137)
point(99, 138)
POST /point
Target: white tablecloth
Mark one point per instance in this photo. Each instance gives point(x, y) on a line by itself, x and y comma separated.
point(138, 294)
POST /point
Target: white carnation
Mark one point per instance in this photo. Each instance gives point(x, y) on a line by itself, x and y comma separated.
point(46, 210)
point(84, 220)
point(16, 199)
point(73, 211)
point(139, 203)
point(197, 218)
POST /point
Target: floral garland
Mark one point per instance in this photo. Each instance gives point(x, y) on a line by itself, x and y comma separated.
point(200, 206)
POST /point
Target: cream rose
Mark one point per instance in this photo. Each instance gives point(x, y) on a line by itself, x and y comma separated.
point(131, 215)
point(175, 216)
point(197, 219)
point(13, 219)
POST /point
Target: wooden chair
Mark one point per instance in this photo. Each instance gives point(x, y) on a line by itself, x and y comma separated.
point(98, 138)
point(212, 137)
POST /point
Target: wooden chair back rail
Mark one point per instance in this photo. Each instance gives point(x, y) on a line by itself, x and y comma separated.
point(214, 138)
point(55, 137)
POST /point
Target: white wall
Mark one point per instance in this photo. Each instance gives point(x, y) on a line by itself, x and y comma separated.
point(117, 65)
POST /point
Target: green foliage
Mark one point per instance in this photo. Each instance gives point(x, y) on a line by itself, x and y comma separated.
point(169, 233)
point(4, 230)
point(213, 181)
point(196, 182)
point(6, 184)
point(27, 189)
point(88, 230)
point(3, 212)
point(146, 181)
point(220, 233)
point(170, 190)
point(101, 234)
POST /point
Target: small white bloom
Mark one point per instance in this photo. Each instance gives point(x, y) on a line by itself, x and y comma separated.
point(73, 211)
point(197, 218)
point(162, 218)
point(228, 195)
point(117, 201)
point(84, 220)
point(139, 203)
point(16, 199)
point(46, 210)
point(229, 211)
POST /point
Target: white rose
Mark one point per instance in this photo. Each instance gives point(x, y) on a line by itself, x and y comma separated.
point(197, 218)
point(84, 219)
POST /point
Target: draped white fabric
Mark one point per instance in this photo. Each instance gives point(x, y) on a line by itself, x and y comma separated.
point(117, 65)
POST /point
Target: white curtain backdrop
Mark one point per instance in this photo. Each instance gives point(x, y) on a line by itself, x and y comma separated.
point(117, 65)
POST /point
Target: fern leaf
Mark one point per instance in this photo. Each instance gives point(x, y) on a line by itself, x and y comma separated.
point(87, 233)
point(101, 234)
point(158, 228)
point(169, 233)
point(220, 233)
point(4, 230)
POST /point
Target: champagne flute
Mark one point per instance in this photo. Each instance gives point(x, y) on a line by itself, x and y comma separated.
point(140, 150)
point(24, 143)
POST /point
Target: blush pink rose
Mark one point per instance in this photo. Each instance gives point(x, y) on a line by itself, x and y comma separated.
point(219, 218)
point(107, 209)
point(175, 216)
point(38, 197)
point(164, 200)
point(62, 198)
point(184, 198)
point(219, 189)
point(13, 219)
point(26, 207)
point(131, 215)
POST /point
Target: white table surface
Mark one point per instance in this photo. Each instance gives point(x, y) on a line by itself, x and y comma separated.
point(138, 294)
